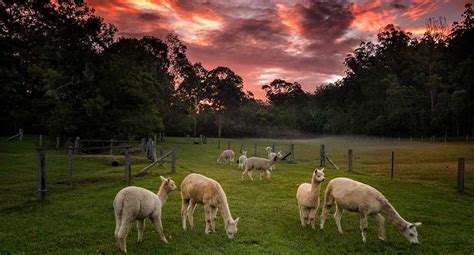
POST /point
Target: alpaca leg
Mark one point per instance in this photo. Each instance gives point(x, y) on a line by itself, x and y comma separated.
point(213, 218)
point(301, 209)
point(156, 220)
point(184, 211)
point(249, 173)
point(381, 222)
point(190, 213)
point(363, 226)
point(305, 215)
point(125, 227)
point(118, 221)
point(141, 228)
point(268, 173)
point(207, 217)
point(243, 175)
point(261, 175)
point(312, 217)
point(338, 217)
point(326, 207)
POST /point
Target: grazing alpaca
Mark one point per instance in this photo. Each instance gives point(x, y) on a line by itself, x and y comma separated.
point(358, 197)
point(227, 156)
point(135, 204)
point(242, 158)
point(261, 164)
point(199, 189)
point(307, 197)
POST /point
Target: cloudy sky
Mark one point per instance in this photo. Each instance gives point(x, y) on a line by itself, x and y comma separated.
point(303, 41)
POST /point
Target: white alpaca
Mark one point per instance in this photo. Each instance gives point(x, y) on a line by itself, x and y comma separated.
point(199, 189)
point(242, 158)
point(273, 154)
point(135, 204)
point(358, 197)
point(257, 163)
point(307, 198)
point(227, 156)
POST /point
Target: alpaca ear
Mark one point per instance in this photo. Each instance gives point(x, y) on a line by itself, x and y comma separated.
point(236, 221)
point(322, 169)
point(417, 224)
point(162, 178)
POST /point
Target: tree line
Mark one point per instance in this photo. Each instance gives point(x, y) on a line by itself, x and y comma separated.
point(65, 72)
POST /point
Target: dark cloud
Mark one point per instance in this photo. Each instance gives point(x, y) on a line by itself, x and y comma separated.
point(326, 19)
point(148, 16)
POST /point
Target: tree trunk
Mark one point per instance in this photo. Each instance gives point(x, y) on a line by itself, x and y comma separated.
point(195, 126)
point(219, 124)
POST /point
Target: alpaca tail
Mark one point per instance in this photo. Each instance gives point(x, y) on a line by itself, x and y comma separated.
point(328, 197)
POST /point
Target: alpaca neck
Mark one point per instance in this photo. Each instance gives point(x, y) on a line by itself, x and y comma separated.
point(314, 187)
point(163, 195)
point(393, 216)
point(224, 207)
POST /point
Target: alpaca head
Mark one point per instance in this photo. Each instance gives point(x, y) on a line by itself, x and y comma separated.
point(318, 175)
point(168, 184)
point(279, 155)
point(410, 232)
point(231, 228)
point(244, 153)
point(268, 149)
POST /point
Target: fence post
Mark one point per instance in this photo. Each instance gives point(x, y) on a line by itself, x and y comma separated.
point(292, 150)
point(57, 142)
point(255, 149)
point(187, 138)
point(128, 170)
point(154, 139)
point(273, 147)
point(21, 134)
point(111, 145)
point(163, 137)
point(218, 143)
point(241, 145)
point(76, 144)
point(350, 160)
point(228, 144)
point(460, 175)
point(42, 176)
point(40, 143)
point(69, 160)
point(322, 155)
point(173, 161)
point(393, 158)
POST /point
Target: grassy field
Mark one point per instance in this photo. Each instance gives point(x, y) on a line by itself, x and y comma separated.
point(78, 216)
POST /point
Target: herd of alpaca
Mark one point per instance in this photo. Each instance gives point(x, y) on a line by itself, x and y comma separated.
point(136, 204)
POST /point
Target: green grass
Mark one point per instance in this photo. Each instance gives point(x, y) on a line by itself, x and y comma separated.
point(78, 216)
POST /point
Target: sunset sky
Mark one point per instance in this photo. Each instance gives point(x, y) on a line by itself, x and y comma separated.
point(303, 41)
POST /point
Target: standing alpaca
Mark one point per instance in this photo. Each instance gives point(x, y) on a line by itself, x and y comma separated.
point(271, 155)
point(261, 164)
point(227, 156)
point(135, 204)
point(307, 197)
point(358, 197)
point(242, 158)
point(199, 189)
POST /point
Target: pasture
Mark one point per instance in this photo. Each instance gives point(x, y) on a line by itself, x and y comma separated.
point(78, 216)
